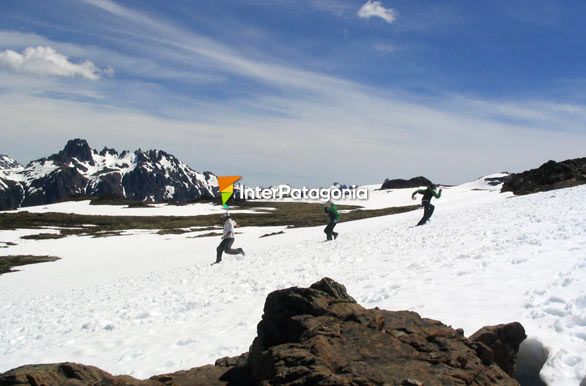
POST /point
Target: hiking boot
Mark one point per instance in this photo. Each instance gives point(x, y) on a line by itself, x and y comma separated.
point(335, 236)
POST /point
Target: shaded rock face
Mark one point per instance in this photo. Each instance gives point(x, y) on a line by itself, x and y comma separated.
point(551, 175)
point(75, 148)
point(55, 187)
point(321, 336)
point(80, 171)
point(503, 341)
point(11, 194)
point(530, 360)
point(415, 182)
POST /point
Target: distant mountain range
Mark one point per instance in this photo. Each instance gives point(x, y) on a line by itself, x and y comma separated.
point(154, 176)
point(80, 171)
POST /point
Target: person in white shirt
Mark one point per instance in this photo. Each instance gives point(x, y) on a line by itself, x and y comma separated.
point(228, 239)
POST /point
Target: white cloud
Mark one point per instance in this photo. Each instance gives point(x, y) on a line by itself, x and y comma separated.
point(376, 9)
point(46, 61)
point(385, 48)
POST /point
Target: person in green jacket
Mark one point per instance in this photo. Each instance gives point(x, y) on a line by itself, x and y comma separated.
point(428, 208)
point(332, 212)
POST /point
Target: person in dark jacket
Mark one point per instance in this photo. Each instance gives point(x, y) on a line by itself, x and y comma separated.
point(228, 239)
point(428, 208)
point(332, 212)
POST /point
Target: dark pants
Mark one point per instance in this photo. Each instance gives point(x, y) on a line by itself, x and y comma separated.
point(427, 212)
point(226, 246)
point(329, 231)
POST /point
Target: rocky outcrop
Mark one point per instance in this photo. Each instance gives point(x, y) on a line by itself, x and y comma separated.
point(415, 182)
point(549, 176)
point(67, 374)
point(79, 171)
point(11, 194)
point(321, 336)
point(503, 341)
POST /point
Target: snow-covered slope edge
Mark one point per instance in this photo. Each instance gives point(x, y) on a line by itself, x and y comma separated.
point(78, 170)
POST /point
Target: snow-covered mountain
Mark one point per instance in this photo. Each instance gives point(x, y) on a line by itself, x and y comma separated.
point(7, 163)
point(78, 170)
point(11, 191)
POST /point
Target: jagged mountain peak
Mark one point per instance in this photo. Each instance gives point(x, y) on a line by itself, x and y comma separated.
point(108, 151)
point(7, 162)
point(78, 148)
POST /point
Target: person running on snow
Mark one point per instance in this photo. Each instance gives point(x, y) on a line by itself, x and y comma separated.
point(228, 239)
point(334, 216)
point(428, 208)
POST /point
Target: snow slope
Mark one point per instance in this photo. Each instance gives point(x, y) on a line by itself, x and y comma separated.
point(144, 304)
point(378, 199)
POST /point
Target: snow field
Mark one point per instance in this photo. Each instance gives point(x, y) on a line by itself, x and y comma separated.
point(84, 208)
point(143, 304)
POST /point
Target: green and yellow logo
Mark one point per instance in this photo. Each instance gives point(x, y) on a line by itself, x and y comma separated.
point(226, 184)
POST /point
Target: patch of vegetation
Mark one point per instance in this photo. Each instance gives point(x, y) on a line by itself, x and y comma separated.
point(106, 234)
point(119, 200)
point(272, 234)
point(140, 204)
point(209, 234)
point(9, 262)
point(172, 231)
point(290, 214)
point(44, 236)
point(201, 229)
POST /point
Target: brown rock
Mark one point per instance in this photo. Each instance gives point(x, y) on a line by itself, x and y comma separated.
point(66, 374)
point(503, 340)
point(206, 375)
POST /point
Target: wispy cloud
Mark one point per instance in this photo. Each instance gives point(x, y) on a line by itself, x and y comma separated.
point(46, 61)
point(284, 120)
point(337, 7)
point(385, 48)
point(376, 9)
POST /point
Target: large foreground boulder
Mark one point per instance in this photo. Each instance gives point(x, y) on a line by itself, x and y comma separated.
point(321, 336)
point(549, 176)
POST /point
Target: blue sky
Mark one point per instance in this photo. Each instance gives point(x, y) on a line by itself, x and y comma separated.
point(300, 91)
